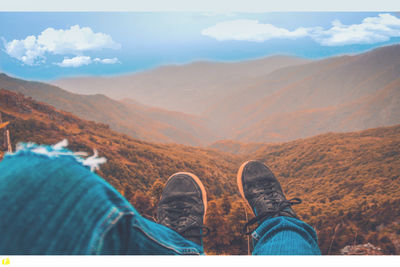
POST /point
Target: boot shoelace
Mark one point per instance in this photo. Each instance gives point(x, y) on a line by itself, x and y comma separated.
point(278, 209)
point(177, 221)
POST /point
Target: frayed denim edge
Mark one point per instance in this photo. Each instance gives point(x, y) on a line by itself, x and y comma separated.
point(58, 150)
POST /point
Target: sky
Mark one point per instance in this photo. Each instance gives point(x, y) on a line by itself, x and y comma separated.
point(50, 45)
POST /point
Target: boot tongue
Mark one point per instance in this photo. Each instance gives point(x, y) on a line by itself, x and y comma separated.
point(267, 202)
point(185, 221)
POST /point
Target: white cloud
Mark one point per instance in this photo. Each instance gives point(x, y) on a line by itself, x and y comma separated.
point(75, 40)
point(25, 50)
point(85, 60)
point(250, 30)
point(106, 60)
point(75, 61)
point(370, 30)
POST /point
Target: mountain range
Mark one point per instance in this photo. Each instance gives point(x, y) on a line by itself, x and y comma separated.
point(129, 117)
point(273, 99)
point(142, 121)
point(190, 88)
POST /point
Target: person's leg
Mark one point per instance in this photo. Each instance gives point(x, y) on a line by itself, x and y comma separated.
point(180, 215)
point(51, 203)
point(285, 236)
point(280, 231)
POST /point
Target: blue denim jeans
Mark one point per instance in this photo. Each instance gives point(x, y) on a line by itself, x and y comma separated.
point(51, 203)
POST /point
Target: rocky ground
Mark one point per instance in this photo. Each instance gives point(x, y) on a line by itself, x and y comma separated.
point(363, 249)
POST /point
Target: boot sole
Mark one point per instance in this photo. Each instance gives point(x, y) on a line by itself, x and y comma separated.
point(240, 183)
point(202, 189)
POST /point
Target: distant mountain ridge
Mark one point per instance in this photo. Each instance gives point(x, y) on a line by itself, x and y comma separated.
point(190, 88)
point(141, 121)
point(274, 99)
point(137, 121)
point(336, 94)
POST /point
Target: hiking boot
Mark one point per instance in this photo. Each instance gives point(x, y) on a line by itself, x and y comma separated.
point(183, 206)
point(263, 193)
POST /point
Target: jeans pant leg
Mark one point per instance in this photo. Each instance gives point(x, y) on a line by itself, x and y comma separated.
point(51, 203)
point(285, 236)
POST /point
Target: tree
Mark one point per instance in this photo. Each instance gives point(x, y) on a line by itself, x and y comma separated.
point(226, 204)
point(219, 237)
point(156, 189)
point(143, 204)
point(236, 221)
